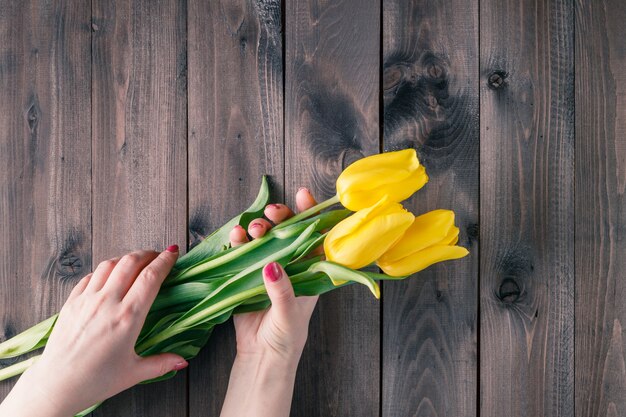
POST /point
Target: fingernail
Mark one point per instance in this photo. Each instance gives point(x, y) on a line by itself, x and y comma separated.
point(255, 225)
point(272, 271)
point(275, 206)
point(180, 365)
point(304, 189)
point(173, 248)
point(238, 227)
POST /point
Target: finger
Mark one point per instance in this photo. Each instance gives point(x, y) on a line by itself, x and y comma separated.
point(304, 199)
point(279, 290)
point(144, 290)
point(158, 365)
point(238, 236)
point(80, 286)
point(258, 227)
point(101, 274)
point(277, 212)
point(126, 271)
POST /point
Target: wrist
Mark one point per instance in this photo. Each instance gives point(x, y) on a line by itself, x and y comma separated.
point(267, 365)
point(260, 385)
point(28, 397)
point(268, 361)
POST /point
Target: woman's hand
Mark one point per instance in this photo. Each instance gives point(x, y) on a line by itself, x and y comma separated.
point(90, 355)
point(269, 342)
point(280, 331)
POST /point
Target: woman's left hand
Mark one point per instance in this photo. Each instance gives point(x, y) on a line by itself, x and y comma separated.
point(90, 355)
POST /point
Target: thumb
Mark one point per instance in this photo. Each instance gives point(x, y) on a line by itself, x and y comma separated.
point(158, 365)
point(279, 289)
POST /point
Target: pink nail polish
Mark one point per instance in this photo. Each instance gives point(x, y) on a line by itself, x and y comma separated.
point(275, 206)
point(172, 248)
point(180, 365)
point(304, 189)
point(238, 226)
point(273, 271)
point(255, 225)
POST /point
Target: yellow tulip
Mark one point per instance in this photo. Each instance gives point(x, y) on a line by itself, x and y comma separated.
point(396, 175)
point(430, 239)
point(362, 238)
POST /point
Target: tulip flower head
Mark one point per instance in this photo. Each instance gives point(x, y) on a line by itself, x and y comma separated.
point(430, 239)
point(360, 239)
point(396, 175)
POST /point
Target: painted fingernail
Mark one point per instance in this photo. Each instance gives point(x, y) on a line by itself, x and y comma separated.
point(272, 271)
point(180, 365)
point(173, 248)
point(238, 227)
point(275, 206)
point(304, 189)
point(255, 225)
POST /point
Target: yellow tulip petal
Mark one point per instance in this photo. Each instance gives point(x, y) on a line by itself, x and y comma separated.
point(394, 174)
point(421, 260)
point(363, 237)
point(404, 160)
point(432, 228)
point(352, 223)
point(452, 238)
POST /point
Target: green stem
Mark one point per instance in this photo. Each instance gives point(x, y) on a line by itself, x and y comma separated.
point(215, 309)
point(221, 260)
point(307, 213)
point(17, 368)
point(206, 314)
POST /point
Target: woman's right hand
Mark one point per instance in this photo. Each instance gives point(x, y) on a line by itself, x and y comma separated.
point(280, 331)
point(269, 342)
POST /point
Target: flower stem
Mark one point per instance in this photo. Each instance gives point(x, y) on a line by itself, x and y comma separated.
point(17, 368)
point(309, 212)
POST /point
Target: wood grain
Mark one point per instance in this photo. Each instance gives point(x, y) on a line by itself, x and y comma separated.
point(331, 119)
point(430, 80)
point(45, 143)
point(527, 208)
point(140, 152)
point(235, 137)
point(600, 208)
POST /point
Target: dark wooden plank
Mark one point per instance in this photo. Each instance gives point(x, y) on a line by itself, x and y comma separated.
point(45, 147)
point(430, 84)
point(600, 208)
point(139, 152)
point(527, 208)
point(235, 136)
point(332, 65)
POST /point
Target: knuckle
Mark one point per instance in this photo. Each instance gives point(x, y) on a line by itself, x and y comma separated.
point(284, 295)
point(128, 315)
point(108, 264)
point(162, 368)
point(150, 274)
point(131, 258)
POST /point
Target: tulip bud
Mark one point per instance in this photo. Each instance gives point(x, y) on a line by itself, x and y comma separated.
point(396, 175)
point(430, 239)
point(362, 238)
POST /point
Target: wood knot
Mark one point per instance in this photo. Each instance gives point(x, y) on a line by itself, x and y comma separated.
point(509, 291)
point(33, 115)
point(436, 71)
point(473, 232)
point(496, 78)
point(391, 77)
point(69, 265)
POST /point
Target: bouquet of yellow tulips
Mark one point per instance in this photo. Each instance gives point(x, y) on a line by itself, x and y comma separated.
point(213, 281)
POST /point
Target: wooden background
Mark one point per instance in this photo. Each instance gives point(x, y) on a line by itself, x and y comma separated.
point(130, 124)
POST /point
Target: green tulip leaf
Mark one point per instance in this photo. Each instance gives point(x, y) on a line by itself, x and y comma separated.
point(218, 240)
point(341, 273)
point(28, 340)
